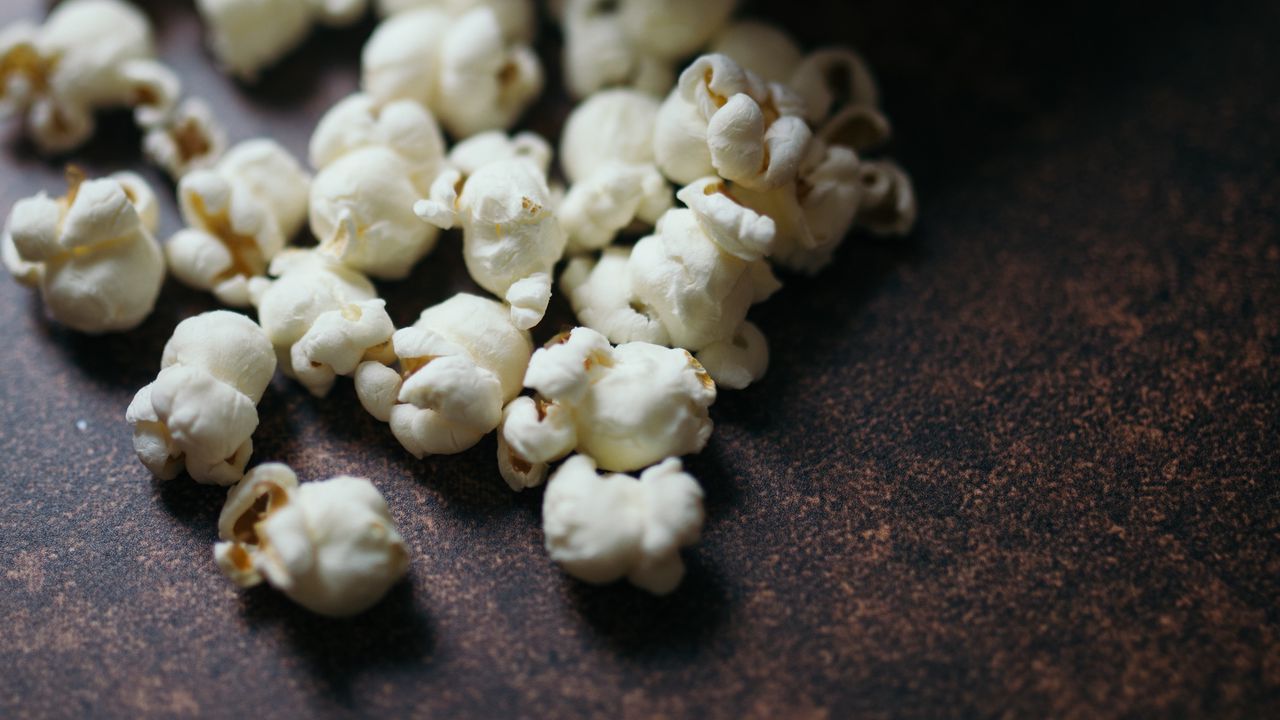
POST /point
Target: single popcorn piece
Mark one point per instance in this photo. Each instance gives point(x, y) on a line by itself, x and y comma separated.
point(188, 139)
point(362, 213)
point(459, 62)
point(835, 191)
point(601, 528)
point(200, 413)
point(249, 35)
point(518, 18)
point(239, 214)
point(88, 55)
point(627, 407)
point(322, 318)
point(600, 293)
point(511, 236)
point(607, 153)
point(460, 363)
point(402, 126)
point(738, 361)
point(764, 49)
point(835, 87)
point(91, 253)
point(634, 43)
point(330, 546)
point(722, 119)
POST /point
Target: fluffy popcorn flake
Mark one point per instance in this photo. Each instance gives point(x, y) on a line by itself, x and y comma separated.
point(330, 546)
point(601, 528)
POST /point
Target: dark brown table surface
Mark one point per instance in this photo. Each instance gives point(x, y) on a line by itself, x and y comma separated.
point(1022, 463)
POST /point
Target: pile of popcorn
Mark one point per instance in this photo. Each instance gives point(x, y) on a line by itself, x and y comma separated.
point(727, 164)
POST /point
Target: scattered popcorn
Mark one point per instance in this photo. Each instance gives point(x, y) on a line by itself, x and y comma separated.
point(188, 139)
point(459, 365)
point(322, 318)
point(600, 529)
point(463, 67)
point(511, 237)
point(627, 407)
point(330, 546)
point(200, 412)
point(92, 252)
point(60, 73)
point(239, 214)
point(722, 119)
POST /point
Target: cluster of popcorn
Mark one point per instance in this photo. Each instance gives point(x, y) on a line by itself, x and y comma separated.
point(687, 181)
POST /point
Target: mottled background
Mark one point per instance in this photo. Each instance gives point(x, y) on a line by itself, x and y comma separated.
point(1022, 463)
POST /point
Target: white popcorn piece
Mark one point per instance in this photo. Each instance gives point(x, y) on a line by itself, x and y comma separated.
point(401, 59)
point(734, 227)
point(91, 253)
point(764, 49)
point(511, 236)
point(633, 43)
point(600, 293)
point(611, 200)
point(402, 126)
point(329, 309)
point(190, 138)
point(249, 35)
point(601, 528)
point(362, 213)
point(700, 293)
point(611, 126)
point(739, 361)
point(460, 363)
point(831, 80)
point(58, 74)
point(722, 119)
point(492, 146)
point(200, 413)
point(485, 82)
point(517, 18)
point(339, 340)
point(239, 214)
point(607, 153)
point(458, 62)
point(628, 407)
point(835, 191)
point(330, 546)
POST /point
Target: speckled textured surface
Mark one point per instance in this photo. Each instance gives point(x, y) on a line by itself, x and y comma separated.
point(1023, 464)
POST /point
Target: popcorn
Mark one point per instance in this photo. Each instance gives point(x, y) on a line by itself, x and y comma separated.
point(761, 48)
point(200, 412)
point(739, 361)
point(362, 213)
point(459, 364)
point(402, 126)
point(240, 214)
point(607, 153)
point(600, 293)
point(724, 120)
point(627, 407)
point(517, 18)
point(462, 66)
point(611, 126)
point(249, 35)
point(190, 138)
point(603, 528)
point(634, 42)
point(322, 318)
point(700, 292)
point(330, 546)
point(511, 238)
point(832, 82)
point(92, 252)
point(60, 73)
point(834, 191)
